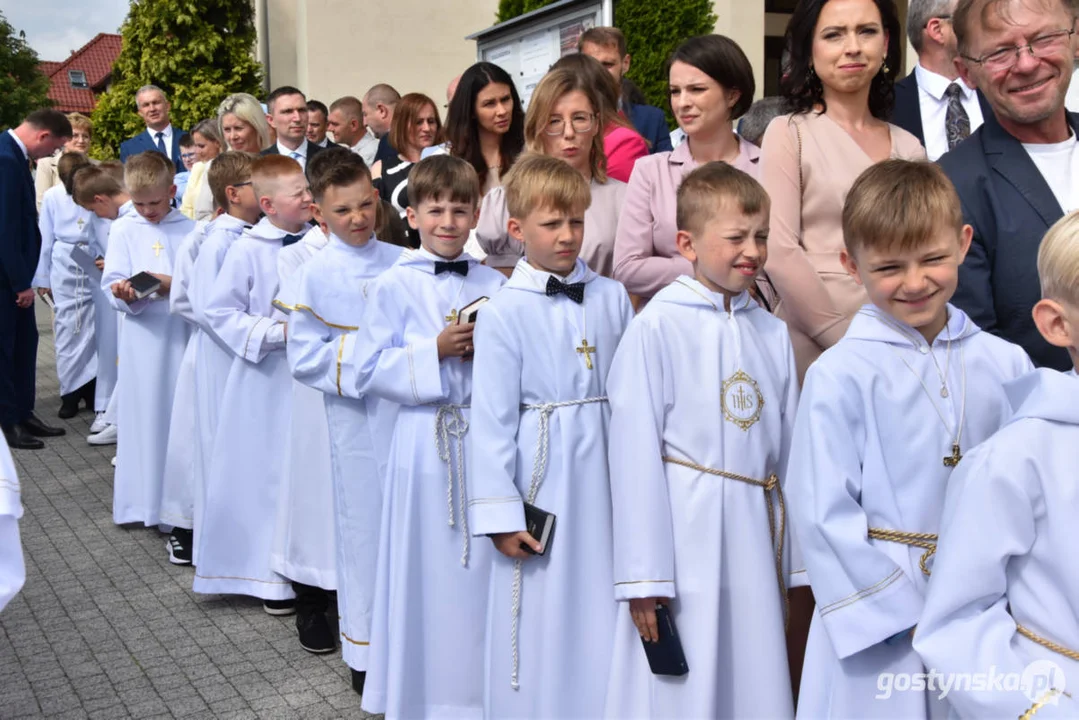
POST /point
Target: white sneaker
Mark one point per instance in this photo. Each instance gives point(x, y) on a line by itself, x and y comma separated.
point(105, 437)
point(114, 461)
point(99, 424)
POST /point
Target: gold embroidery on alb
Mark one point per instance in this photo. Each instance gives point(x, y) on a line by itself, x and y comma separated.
point(742, 400)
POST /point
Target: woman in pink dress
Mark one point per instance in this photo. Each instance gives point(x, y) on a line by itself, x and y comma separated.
point(711, 85)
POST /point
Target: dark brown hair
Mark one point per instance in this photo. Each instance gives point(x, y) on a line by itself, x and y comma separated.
point(66, 167)
point(723, 60)
point(335, 166)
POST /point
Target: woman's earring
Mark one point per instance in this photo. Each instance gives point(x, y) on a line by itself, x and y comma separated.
point(884, 69)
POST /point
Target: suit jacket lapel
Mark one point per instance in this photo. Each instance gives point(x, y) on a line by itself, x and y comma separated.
point(906, 92)
point(1006, 156)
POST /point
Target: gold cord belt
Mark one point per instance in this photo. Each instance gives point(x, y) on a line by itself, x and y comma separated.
point(770, 485)
point(1045, 643)
point(927, 541)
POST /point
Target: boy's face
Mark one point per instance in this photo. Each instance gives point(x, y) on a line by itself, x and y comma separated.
point(153, 204)
point(189, 156)
point(552, 239)
point(729, 250)
point(349, 211)
point(443, 225)
point(913, 286)
point(243, 203)
point(289, 203)
point(104, 207)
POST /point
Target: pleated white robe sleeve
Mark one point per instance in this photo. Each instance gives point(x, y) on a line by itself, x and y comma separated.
point(863, 597)
point(640, 388)
point(182, 271)
point(496, 506)
point(384, 364)
point(12, 565)
point(249, 335)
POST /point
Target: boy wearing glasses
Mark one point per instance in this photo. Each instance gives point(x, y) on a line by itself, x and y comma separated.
point(189, 157)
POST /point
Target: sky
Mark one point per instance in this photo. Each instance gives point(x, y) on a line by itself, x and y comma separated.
point(55, 28)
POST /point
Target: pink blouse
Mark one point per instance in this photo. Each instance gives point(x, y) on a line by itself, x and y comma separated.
point(623, 148)
point(645, 257)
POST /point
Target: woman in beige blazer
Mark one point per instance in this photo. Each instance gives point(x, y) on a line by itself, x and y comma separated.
point(839, 83)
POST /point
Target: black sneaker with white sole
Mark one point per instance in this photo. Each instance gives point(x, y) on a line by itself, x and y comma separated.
point(279, 607)
point(179, 545)
point(315, 633)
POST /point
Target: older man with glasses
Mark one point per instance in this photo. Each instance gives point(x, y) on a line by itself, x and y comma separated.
point(1019, 173)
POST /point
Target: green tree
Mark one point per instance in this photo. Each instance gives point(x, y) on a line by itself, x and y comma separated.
point(509, 9)
point(23, 88)
point(197, 51)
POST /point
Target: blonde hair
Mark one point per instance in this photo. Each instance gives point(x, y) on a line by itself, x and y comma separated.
point(268, 169)
point(150, 170)
point(1058, 261)
point(247, 109)
point(554, 85)
point(78, 120)
point(702, 195)
point(541, 182)
point(899, 205)
point(105, 179)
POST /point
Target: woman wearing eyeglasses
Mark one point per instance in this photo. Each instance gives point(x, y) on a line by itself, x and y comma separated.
point(562, 122)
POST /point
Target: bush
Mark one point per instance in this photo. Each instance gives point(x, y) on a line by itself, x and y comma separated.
point(23, 88)
point(509, 9)
point(197, 51)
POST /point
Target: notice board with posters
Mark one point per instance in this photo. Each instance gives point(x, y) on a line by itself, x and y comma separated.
point(528, 45)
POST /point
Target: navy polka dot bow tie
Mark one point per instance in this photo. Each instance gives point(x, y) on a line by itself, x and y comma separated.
point(574, 291)
point(457, 266)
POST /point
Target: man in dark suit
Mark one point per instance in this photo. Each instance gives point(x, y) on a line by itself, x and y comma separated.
point(932, 103)
point(607, 45)
point(1012, 177)
point(286, 110)
point(379, 104)
point(42, 133)
point(153, 107)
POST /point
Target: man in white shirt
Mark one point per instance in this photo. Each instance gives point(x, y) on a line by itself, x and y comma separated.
point(153, 107)
point(933, 103)
point(286, 111)
point(345, 121)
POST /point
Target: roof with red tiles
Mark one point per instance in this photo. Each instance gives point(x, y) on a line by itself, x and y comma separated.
point(94, 60)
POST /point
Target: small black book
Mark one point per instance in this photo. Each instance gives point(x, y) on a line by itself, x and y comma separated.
point(144, 284)
point(665, 657)
point(540, 525)
point(470, 312)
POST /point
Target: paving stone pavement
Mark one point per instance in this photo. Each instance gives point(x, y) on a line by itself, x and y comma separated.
point(107, 628)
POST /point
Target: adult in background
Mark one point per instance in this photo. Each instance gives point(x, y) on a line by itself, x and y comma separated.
point(345, 121)
point(1017, 174)
point(443, 148)
point(317, 115)
point(561, 122)
point(711, 84)
point(843, 60)
point(42, 133)
point(45, 175)
point(607, 45)
point(207, 138)
point(287, 114)
point(756, 120)
point(379, 105)
point(932, 103)
point(244, 128)
point(153, 107)
point(416, 125)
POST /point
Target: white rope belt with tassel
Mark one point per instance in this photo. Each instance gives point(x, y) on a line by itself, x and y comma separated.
point(450, 429)
point(539, 469)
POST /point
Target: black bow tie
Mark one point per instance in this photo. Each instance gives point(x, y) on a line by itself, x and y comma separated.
point(457, 266)
point(290, 239)
point(574, 291)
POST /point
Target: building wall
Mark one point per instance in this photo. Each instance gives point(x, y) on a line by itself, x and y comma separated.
point(743, 22)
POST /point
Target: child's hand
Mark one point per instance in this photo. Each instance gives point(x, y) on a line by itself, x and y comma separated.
point(643, 612)
point(509, 544)
point(123, 291)
point(455, 341)
point(166, 284)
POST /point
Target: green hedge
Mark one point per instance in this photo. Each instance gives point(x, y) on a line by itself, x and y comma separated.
point(653, 28)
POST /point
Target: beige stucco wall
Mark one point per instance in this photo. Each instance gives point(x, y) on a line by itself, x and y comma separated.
point(331, 48)
point(743, 22)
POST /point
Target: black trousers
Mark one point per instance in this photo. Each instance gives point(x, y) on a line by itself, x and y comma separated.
point(18, 359)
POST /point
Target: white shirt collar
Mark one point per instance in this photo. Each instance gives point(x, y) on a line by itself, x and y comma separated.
point(166, 133)
point(301, 150)
point(20, 143)
point(936, 85)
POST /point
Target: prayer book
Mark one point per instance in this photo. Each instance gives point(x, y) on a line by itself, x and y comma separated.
point(665, 657)
point(82, 256)
point(144, 284)
point(540, 525)
point(469, 312)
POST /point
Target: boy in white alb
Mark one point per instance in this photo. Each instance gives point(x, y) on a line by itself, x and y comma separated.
point(1005, 587)
point(12, 564)
point(246, 463)
point(100, 189)
point(327, 302)
point(885, 415)
point(538, 434)
point(431, 586)
point(703, 392)
point(229, 180)
point(153, 340)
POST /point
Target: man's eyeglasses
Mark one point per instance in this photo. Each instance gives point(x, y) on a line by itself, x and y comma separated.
point(1040, 47)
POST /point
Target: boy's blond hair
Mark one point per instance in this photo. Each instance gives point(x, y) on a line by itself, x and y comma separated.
point(106, 179)
point(268, 169)
point(899, 205)
point(1058, 261)
point(540, 182)
point(440, 175)
point(150, 170)
point(228, 168)
point(707, 190)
